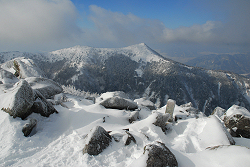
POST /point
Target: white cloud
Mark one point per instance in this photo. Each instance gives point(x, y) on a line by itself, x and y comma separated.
point(35, 25)
point(40, 24)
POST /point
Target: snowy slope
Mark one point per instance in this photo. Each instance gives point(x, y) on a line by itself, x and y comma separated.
point(59, 139)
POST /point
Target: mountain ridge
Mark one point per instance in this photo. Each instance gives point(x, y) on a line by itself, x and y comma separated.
point(141, 72)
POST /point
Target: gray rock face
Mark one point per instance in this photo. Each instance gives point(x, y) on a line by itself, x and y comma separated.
point(42, 106)
point(46, 87)
point(119, 103)
point(28, 127)
point(161, 120)
point(160, 156)
point(99, 139)
point(19, 100)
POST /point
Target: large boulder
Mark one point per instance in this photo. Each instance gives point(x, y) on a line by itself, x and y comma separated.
point(29, 127)
point(42, 106)
point(98, 140)
point(237, 120)
point(160, 155)
point(46, 87)
point(119, 103)
point(18, 100)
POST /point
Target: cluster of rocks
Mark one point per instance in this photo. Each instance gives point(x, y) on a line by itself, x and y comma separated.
point(158, 154)
point(24, 96)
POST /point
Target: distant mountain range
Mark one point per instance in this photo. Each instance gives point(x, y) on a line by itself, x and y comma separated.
point(141, 72)
point(237, 63)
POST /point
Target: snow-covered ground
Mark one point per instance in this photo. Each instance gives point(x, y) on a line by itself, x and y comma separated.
point(60, 138)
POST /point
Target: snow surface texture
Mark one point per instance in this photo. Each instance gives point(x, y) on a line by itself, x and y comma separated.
point(60, 139)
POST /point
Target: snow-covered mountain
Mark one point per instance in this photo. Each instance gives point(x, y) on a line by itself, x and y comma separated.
point(141, 72)
point(40, 126)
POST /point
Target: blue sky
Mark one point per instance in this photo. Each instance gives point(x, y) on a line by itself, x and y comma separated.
point(169, 26)
point(173, 13)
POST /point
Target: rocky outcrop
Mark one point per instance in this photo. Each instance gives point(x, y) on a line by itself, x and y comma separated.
point(237, 120)
point(42, 106)
point(161, 120)
point(119, 103)
point(29, 127)
point(98, 140)
point(160, 155)
point(18, 100)
point(46, 87)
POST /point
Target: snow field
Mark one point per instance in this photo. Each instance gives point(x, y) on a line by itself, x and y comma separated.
point(59, 139)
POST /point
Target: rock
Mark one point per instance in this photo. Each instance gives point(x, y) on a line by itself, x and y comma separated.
point(42, 106)
point(187, 105)
point(161, 120)
point(28, 127)
point(23, 68)
point(98, 140)
point(129, 139)
point(119, 103)
point(218, 111)
point(46, 87)
point(145, 103)
point(7, 77)
point(237, 120)
point(170, 107)
point(160, 155)
point(134, 116)
point(18, 100)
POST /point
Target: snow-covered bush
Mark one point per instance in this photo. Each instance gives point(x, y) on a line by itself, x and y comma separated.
point(70, 89)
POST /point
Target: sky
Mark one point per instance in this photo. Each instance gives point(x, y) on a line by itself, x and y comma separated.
point(170, 26)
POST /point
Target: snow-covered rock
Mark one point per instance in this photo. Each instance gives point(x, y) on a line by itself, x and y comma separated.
point(98, 140)
point(160, 155)
point(46, 87)
point(18, 100)
point(161, 120)
point(219, 112)
point(145, 103)
point(29, 127)
point(7, 77)
point(119, 103)
point(170, 107)
point(134, 116)
point(237, 120)
point(26, 67)
point(41, 105)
